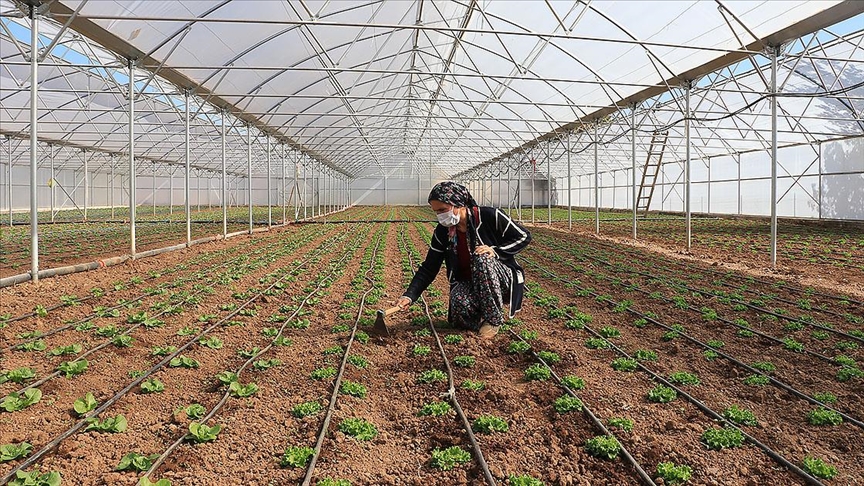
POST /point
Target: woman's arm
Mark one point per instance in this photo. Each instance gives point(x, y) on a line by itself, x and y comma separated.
point(512, 236)
point(428, 270)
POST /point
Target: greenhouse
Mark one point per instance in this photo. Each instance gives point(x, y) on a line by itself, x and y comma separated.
point(563, 242)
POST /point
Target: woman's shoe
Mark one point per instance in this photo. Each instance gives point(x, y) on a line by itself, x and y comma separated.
point(488, 331)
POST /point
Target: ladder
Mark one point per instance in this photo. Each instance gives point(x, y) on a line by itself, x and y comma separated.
point(652, 169)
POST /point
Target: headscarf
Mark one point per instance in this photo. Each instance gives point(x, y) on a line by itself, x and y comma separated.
point(452, 193)
point(457, 195)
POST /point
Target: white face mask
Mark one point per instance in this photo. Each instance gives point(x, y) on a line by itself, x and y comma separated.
point(448, 219)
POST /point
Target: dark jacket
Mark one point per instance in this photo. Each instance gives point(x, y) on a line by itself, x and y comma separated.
point(494, 229)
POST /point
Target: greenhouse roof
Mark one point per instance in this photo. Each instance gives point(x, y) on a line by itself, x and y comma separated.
point(454, 86)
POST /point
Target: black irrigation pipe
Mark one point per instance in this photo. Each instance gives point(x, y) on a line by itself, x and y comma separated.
point(728, 322)
point(726, 284)
point(748, 279)
point(172, 284)
point(171, 448)
point(334, 397)
point(701, 406)
point(646, 478)
point(774, 381)
point(111, 401)
point(451, 394)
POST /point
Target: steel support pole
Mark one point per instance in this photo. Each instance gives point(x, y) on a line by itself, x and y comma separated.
point(633, 162)
point(132, 194)
point(154, 189)
point(385, 188)
point(269, 188)
point(187, 207)
point(687, 164)
point(249, 173)
point(111, 201)
point(509, 190)
point(569, 188)
point(53, 182)
point(775, 53)
point(313, 179)
point(284, 187)
point(86, 184)
point(224, 182)
point(305, 190)
point(549, 185)
point(533, 174)
point(596, 181)
point(9, 177)
point(34, 147)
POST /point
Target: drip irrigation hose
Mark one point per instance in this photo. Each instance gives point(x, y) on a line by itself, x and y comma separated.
point(33, 458)
point(705, 346)
point(736, 301)
point(701, 406)
point(740, 326)
point(334, 397)
point(451, 395)
point(171, 448)
point(646, 478)
point(754, 279)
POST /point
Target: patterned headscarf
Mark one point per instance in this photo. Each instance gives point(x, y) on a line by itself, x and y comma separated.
point(452, 193)
point(457, 195)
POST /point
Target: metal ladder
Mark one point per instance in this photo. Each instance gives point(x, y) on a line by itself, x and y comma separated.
point(652, 168)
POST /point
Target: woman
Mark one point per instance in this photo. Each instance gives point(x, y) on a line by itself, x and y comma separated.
point(478, 246)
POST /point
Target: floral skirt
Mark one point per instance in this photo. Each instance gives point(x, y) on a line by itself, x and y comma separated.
point(482, 299)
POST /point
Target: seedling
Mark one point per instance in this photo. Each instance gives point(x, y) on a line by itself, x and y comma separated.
point(645, 355)
point(528, 335)
point(624, 364)
point(162, 350)
point(524, 480)
point(332, 350)
point(473, 385)
point(183, 362)
point(238, 390)
point(85, 404)
point(624, 424)
point(718, 439)
point(420, 350)
point(710, 355)
point(549, 357)
point(764, 366)
point(18, 375)
point(827, 398)
point(603, 447)
point(435, 409)
point(537, 372)
point(716, 343)
point(358, 361)
point(122, 341)
point(15, 401)
point(793, 345)
point(282, 341)
point(573, 382)
point(112, 425)
point(662, 394)
point(823, 416)
point(73, 368)
point(674, 474)
point(361, 337)
point(248, 354)
point(306, 409)
point(486, 424)
point(195, 411)
point(684, 378)
point(818, 468)
point(740, 416)
point(35, 478)
point(211, 342)
point(199, 432)
point(66, 350)
point(152, 386)
point(227, 377)
point(431, 376)
point(453, 339)
point(265, 364)
point(756, 380)
point(134, 461)
point(38, 345)
point(323, 373)
point(358, 428)
point(609, 332)
point(10, 452)
point(518, 347)
point(566, 403)
point(449, 458)
point(296, 456)
point(188, 331)
point(353, 389)
point(464, 361)
point(597, 343)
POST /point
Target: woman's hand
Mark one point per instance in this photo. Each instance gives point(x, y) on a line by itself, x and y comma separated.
point(402, 302)
point(485, 250)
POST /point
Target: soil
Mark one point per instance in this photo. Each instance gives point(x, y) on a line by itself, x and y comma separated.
point(540, 442)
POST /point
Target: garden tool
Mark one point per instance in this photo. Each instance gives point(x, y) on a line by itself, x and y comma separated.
point(380, 330)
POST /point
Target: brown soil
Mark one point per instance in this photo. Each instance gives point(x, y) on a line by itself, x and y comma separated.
point(540, 442)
